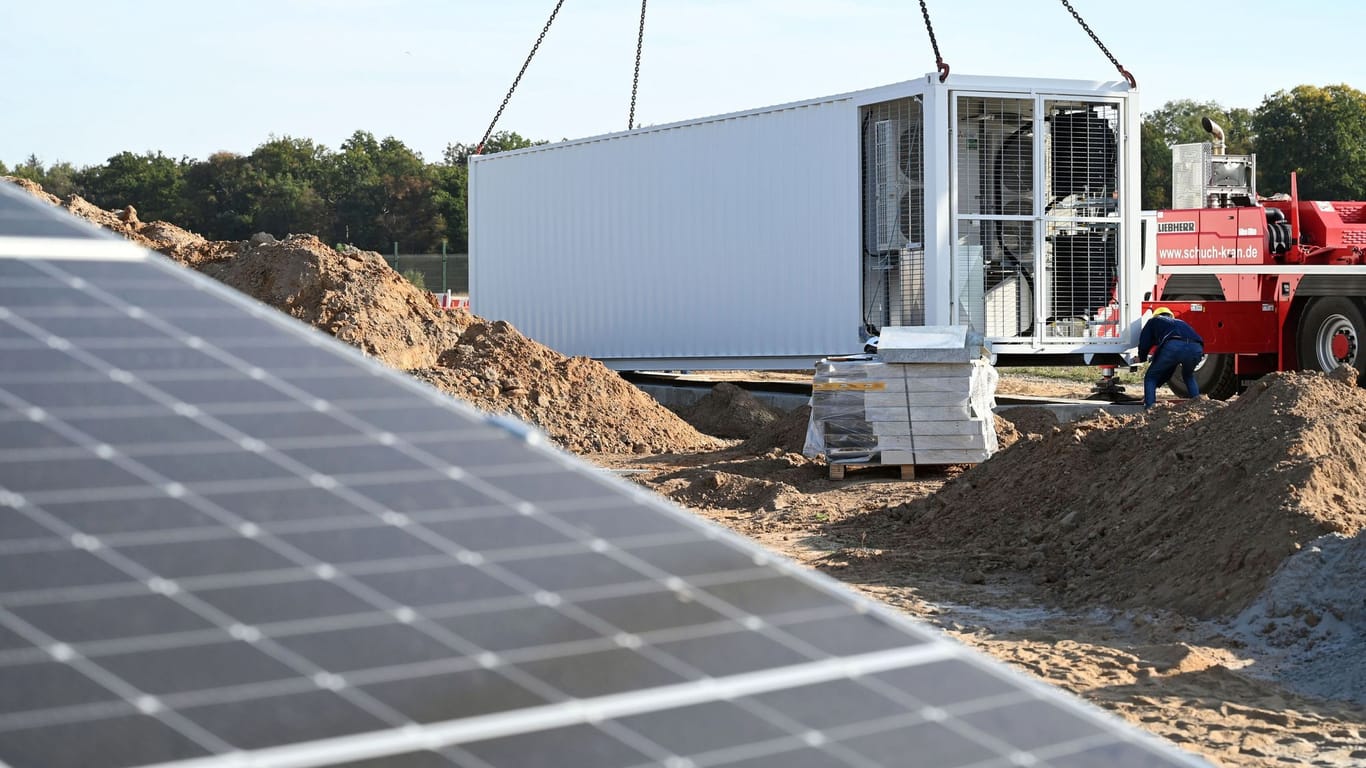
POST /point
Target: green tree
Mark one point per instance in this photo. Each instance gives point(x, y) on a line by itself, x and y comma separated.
point(383, 193)
point(408, 215)
point(371, 192)
point(31, 169)
point(59, 179)
point(355, 191)
point(152, 182)
point(4, 171)
point(1155, 159)
point(450, 195)
point(1317, 133)
point(219, 197)
point(1179, 122)
point(287, 175)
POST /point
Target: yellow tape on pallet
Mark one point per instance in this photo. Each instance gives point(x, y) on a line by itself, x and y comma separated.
point(839, 386)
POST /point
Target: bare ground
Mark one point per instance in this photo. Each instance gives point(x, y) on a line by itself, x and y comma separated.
point(1178, 677)
point(1194, 681)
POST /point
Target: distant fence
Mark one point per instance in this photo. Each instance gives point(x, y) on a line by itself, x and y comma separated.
point(440, 272)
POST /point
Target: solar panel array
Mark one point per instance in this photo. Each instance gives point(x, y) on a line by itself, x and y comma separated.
point(228, 540)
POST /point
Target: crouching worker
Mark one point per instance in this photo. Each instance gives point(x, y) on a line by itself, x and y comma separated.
point(1173, 344)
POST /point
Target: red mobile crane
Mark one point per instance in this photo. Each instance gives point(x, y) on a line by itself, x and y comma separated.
point(1271, 284)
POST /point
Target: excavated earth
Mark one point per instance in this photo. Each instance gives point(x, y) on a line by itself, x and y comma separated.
point(1199, 570)
point(1190, 508)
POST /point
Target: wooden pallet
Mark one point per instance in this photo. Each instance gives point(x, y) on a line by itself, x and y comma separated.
point(907, 470)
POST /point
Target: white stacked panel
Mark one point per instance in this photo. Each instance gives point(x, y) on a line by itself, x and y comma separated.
point(867, 411)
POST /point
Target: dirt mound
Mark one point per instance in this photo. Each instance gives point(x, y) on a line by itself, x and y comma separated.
point(1308, 628)
point(33, 189)
point(186, 247)
point(787, 432)
point(1191, 507)
point(713, 489)
point(578, 402)
point(1029, 420)
point(355, 296)
point(761, 487)
point(729, 411)
point(1006, 433)
point(162, 236)
point(125, 222)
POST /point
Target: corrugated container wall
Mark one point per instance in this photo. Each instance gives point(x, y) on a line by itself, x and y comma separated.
point(771, 238)
point(719, 242)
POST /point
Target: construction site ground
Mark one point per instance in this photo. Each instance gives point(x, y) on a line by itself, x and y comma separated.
point(1188, 679)
point(1200, 570)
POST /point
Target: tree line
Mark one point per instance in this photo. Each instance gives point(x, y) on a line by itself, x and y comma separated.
point(373, 193)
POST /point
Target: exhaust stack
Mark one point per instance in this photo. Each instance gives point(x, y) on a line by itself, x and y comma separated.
point(1213, 129)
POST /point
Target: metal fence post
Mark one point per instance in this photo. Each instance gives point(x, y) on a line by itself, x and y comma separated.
point(443, 265)
point(396, 269)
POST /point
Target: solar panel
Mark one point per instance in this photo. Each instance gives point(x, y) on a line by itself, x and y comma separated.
point(229, 540)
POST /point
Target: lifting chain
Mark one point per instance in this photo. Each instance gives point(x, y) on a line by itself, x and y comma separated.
point(479, 150)
point(635, 79)
point(939, 62)
point(1132, 82)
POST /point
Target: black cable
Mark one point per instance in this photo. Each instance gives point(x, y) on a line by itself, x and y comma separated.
point(1132, 82)
point(939, 62)
point(479, 150)
point(635, 79)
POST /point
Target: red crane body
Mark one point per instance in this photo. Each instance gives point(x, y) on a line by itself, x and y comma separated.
point(1275, 286)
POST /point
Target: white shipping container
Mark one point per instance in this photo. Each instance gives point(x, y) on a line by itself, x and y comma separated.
point(771, 238)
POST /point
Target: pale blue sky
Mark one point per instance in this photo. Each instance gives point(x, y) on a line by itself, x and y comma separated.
point(86, 79)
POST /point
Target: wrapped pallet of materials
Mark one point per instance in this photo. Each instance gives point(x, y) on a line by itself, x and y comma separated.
point(924, 398)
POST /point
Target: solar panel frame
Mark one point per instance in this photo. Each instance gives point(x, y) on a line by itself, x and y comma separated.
point(134, 595)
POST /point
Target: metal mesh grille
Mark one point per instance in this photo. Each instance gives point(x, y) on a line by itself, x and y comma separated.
point(996, 222)
point(893, 171)
point(1082, 236)
point(1081, 278)
point(1036, 216)
point(1188, 175)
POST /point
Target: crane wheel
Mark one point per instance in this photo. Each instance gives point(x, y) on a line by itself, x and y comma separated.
point(1330, 334)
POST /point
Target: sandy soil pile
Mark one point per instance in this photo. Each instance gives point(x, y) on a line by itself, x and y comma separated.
point(1188, 508)
point(1025, 420)
point(1309, 625)
point(353, 295)
point(729, 411)
point(578, 402)
point(357, 297)
point(756, 485)
point(33, 189)
point(786, 433)
point(124, 222)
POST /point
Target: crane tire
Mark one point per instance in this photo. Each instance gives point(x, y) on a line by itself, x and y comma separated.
point(1330, 334)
